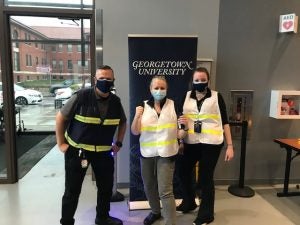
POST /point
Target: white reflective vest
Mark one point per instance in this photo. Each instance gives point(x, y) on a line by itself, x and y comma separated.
point(209, 115)
point(159, 134)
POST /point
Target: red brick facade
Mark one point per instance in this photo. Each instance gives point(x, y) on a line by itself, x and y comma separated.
point(40, 60)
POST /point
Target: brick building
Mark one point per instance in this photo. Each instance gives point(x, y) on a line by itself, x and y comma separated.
point(43, 52)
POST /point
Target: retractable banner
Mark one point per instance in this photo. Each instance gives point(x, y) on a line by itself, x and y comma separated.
point(172, 56)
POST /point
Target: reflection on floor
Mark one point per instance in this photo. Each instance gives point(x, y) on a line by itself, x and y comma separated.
point(36, 199)
point(30, 149)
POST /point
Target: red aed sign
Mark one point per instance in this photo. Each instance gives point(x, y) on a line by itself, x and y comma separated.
point(288, 23)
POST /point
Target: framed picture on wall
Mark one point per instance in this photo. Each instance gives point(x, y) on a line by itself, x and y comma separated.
point(207, 63)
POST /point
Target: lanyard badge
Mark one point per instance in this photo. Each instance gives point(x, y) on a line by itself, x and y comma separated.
point(197, 126)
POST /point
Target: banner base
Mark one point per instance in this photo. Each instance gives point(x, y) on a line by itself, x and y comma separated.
point(138, 205)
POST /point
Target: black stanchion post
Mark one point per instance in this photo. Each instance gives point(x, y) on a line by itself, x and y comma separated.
point(241, 190)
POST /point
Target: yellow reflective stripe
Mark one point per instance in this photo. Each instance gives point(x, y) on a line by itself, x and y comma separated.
point(111, 122)
point(158, 127)
point(95, 120)
point(202, 116)
point(206, 131)
point(86, 119)
point(158, 143)
point(97, 148)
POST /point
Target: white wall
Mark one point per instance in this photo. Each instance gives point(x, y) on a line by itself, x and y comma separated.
point(120, 18)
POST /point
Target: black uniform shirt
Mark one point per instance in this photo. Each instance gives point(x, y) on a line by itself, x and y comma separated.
point(68, 110)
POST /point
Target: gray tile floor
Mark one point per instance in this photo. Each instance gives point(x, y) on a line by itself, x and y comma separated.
point(36, 199)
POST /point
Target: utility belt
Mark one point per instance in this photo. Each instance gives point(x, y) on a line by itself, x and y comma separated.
point(108, 152)
point(85, 155)
point(86, 147)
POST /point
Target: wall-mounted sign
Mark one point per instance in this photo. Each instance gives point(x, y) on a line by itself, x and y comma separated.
point(288, 23)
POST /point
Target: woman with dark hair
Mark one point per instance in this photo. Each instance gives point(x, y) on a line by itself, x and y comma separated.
point(207, 123)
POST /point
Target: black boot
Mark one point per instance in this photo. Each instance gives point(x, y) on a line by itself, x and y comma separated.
point(199, 221)
point(108, 221)
point(151, 218)
point(185, 208)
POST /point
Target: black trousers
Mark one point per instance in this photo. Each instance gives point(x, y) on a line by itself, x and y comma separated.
point(208, 156)
point(103, 166)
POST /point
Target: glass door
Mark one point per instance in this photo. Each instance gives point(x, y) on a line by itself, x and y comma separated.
point(51, 60)
point(45, 57)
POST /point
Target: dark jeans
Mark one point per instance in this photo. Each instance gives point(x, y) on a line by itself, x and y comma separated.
point(208, 156)
point(103, 167)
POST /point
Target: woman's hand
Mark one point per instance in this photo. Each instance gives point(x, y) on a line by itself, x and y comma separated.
point(183, 120)
point(229, 153)
point(139, 111)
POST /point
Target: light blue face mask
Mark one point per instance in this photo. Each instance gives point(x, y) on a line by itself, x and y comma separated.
point(158, 95)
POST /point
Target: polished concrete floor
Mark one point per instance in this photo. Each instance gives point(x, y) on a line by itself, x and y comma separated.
point(36, 199)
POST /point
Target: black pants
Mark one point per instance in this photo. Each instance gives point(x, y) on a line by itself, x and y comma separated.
point(207, 155)
point(103, 167)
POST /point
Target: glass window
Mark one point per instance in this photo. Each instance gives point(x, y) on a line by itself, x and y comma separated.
point(61, 65)
point(79, 48)
point(86, 65)
point(54, 64)
point(16, 36)
point(70, 48)
point(16, 61)
point(28, 60)
point(60, 47)
point(74, 4)
point(52, 68)
point(70, 64)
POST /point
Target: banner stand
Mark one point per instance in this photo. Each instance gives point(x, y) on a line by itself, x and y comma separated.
point(175, 58)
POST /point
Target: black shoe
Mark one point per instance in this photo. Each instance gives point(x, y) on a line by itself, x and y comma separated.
point(151, 218)
point(185, 208)
point(199, 221)
point(108, 221)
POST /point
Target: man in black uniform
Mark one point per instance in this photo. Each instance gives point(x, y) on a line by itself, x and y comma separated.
point(85, 129)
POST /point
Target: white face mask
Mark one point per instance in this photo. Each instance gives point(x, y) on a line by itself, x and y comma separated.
point(159, 94)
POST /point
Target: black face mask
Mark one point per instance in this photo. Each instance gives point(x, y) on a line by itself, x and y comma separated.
point(104, 85)
point(200, 86)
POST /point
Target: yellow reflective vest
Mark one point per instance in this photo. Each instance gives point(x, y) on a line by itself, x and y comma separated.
point(159, 134)
point(210, 117)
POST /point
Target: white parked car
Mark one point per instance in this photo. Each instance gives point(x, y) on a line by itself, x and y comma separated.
point(66, 93)
point(63, 93)
point(24, 96)
point(80, 85)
